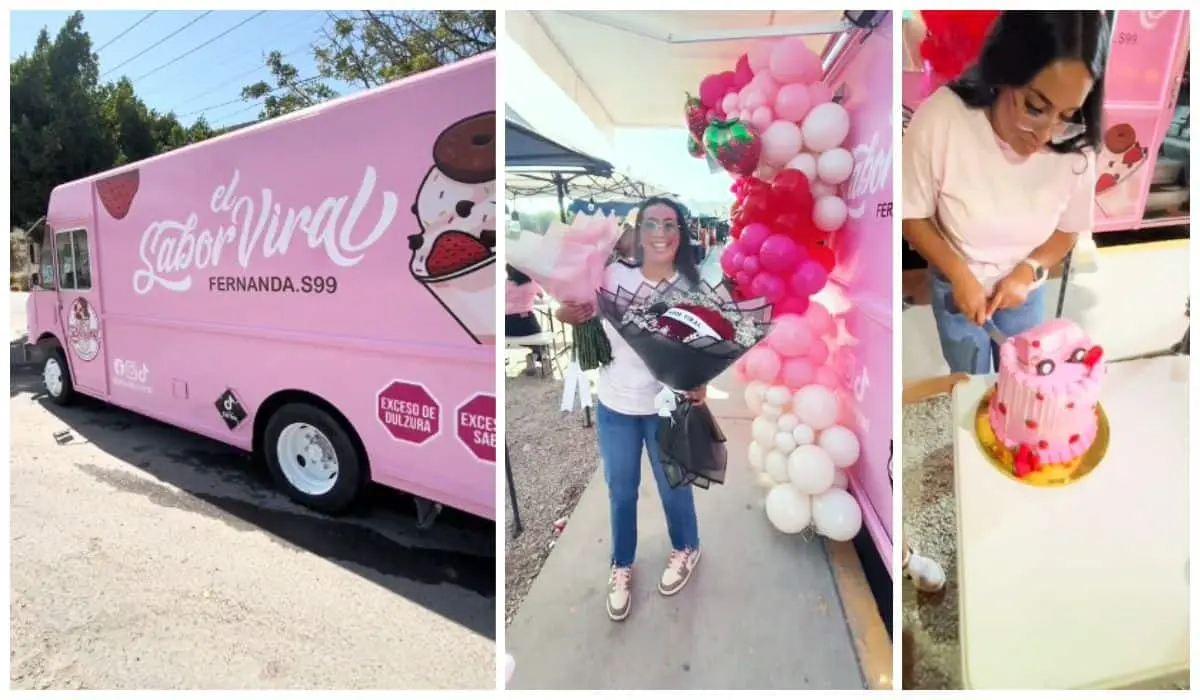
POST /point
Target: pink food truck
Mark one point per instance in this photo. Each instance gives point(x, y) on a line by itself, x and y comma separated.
point(318, 289)
point(862, 280)
point(1142, 171)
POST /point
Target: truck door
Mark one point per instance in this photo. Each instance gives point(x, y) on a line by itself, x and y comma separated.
point(80, 311)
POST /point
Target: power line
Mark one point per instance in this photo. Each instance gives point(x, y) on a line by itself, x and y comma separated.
point(262, 64)
point(296, 84)
point(157, 43)
point(185, 54)
point(128, 29)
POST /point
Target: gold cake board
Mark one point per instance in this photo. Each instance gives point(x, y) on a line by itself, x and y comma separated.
point(1049, 475)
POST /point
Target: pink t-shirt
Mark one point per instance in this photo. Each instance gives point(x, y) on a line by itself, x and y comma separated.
point(993, 206)
point(520, 298)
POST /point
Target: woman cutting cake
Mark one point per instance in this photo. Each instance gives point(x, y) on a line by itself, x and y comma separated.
point(999, 174)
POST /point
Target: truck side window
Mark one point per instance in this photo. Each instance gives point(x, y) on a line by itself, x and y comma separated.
point(46, 280)
point(74, 260)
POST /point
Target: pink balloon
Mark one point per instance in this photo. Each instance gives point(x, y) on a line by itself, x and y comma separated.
point(825, 376)
point(767, 86)
point(768, 286)
point(818, 352)
point(744, 115)
point(779, 254)
point(729, 262)
point(781, 141)
point(790, 336)
point(753, 236)
point(819, 94)
point(796, 372)
point(742, 73)
point(713, 88)
point(752, 99)
point(759, 56)
point(739, 370)
point(808, 279)
point(751, 264)
point(792, 102)
point(790, 305)
point(762, 364)
point(730, 104)
point(820, 320)
point(761, 118)
point(793, 62)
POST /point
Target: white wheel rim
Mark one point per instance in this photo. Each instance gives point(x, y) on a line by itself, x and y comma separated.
point(52, 377)
point(307, 459)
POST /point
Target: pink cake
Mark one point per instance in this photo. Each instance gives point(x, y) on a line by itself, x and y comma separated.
point(1044, 407)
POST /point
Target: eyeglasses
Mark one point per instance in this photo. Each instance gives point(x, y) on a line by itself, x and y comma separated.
point(1031, 118)
point(666, 228)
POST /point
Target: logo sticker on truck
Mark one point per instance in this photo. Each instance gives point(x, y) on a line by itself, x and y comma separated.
point(83, 330)
point(131, 374)
point(409, 412)
point(475, 426)
point(454, 252)
point(231, 409)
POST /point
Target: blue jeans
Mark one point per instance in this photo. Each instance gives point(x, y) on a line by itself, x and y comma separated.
point(967, 347)
point(621, 439)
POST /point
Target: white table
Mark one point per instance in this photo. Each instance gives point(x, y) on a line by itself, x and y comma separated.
point(1081, 586)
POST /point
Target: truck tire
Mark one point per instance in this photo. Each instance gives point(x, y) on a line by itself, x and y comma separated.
point(56, 377)
point(313, 459)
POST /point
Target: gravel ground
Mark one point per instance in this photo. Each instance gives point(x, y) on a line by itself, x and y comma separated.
point(931, 645)
point(553, 458)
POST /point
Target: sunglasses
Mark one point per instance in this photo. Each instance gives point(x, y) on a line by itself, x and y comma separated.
point(666, 228)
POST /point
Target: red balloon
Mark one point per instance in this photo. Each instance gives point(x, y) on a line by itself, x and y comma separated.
point(791, 304)
point(743, 280)
point(794, 225)
point(793, 189)
point(824, 256)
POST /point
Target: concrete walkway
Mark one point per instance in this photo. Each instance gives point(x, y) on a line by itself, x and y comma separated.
point(763, 610)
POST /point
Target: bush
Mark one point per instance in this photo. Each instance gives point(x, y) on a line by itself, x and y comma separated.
point(19, 282)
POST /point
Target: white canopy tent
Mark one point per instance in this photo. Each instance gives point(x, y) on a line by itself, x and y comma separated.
point(631, 69)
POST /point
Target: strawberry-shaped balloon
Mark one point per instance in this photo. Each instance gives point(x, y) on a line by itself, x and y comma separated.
point(694, 148)
point(736, 146)
point(697, 117)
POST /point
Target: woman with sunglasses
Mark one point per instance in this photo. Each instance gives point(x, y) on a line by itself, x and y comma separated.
point(626, 418)
point(999, 174)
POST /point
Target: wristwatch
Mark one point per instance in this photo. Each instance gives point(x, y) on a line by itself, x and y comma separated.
point(1040, 273)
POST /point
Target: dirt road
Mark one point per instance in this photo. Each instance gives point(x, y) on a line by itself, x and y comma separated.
point(144, 557)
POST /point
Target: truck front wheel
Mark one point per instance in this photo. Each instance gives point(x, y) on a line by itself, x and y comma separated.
point(312, 458)
point(56, 377)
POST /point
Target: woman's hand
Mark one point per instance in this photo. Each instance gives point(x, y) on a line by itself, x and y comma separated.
point(697, 395)
point(575, 313)
point(1011, 291)
point(970, 298)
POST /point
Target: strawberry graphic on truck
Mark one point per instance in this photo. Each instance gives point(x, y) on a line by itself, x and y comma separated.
point(1121, 155)
point(454, 253)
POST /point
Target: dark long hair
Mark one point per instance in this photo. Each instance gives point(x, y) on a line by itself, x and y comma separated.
point(1022, 43)
point(685, 264)
point(516, 276)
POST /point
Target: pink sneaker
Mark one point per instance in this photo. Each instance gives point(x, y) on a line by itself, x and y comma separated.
point(619, 599)
point(679, 569)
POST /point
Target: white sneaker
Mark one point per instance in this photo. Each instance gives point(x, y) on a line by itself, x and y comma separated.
point(619, 600)
point(679, 569)
point(926, 574)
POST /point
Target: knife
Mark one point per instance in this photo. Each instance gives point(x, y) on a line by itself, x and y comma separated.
point(997, 337)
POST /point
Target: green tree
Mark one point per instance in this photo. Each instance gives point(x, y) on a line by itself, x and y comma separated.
point(371, 48)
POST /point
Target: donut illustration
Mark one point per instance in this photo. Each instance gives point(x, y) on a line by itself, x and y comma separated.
point(1120, 157)
point(83, 330)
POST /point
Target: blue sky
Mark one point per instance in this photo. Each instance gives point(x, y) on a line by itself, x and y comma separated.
point(207, 82)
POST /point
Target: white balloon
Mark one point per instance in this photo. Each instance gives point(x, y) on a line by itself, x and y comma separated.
point(829, 213)
point(776, 464)
point(805, 163)
point(804, 435)
point(825, 126)
point(754, 395)
point(784, 442)
point(755, 455)
point(778, 395)
point(771, 411)
point(787, 421)
point(835, 165)
point(810, 470)
point(842, 445)
point(764, 480)
point(816, 406)
point(788, 510)
point(763, 430)
point(840, 480)
point(822, 189)
point(836, 515)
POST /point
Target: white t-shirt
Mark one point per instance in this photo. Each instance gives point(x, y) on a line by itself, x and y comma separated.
point(625, 385)
point(993, 206)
